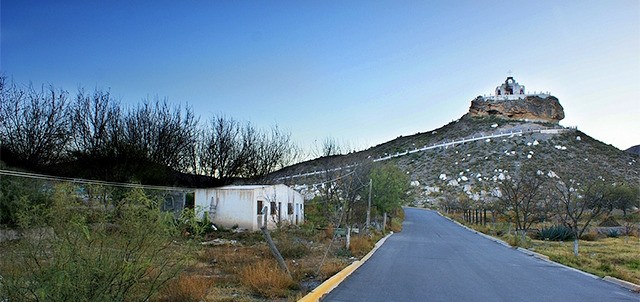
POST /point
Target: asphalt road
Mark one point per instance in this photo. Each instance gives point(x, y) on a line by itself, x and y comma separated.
point(434, 259)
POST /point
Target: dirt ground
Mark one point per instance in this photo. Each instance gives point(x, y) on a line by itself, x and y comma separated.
point(239, 266)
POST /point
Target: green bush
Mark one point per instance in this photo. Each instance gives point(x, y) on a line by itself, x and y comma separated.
point(554, 233)
point(16, 195)
point(188, 222)
point(124, 254)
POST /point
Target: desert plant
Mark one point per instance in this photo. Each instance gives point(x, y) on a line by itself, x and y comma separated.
point(554, 233)
point(613, 233)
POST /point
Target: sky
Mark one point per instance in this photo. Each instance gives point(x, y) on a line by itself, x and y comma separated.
point(360, 72)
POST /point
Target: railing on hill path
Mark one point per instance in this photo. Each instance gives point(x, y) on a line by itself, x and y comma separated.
point(441, 145)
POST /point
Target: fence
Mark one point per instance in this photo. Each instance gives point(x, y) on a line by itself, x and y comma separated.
point(445, 144)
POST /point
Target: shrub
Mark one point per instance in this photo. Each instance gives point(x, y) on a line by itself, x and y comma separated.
point(331, 268)
point(591, 235)
point(328, 232)
point(126, 255)
point(291, 248)
point(186, 289)
point(395, 225)
point(190, 224)
point(554, 233)
point(613, 233)
point(360, 245)
point(266, 279)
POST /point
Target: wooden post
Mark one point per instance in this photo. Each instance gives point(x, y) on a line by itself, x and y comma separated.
point(384, 222)
point(368, 222)
point(272, 246)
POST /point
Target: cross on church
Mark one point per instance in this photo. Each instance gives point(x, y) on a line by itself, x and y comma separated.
point(509, 72)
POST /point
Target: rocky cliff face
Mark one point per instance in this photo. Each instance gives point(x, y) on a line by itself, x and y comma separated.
point(532, 108)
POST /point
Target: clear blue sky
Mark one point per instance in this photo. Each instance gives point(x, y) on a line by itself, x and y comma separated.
point(361, 72)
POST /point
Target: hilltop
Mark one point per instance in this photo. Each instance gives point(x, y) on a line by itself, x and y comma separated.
point(473, 153)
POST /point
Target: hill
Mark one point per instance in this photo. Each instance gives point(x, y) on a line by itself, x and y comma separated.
point(635, 149)
point(471, 154)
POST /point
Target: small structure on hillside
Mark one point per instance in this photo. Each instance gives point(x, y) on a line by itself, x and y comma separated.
point(512, 90)
point(510, 87)
point(511, 101)
point(250, 206)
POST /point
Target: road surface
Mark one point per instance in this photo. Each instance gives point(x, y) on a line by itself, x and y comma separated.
point(434, 259)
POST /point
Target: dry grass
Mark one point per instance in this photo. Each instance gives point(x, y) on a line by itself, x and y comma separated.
point(266, 279)
point(360, 245)
point(395, 225)
point(187, 288)
point(604, 257)
point(330, 268)
point(599, 255)
point(245, 270)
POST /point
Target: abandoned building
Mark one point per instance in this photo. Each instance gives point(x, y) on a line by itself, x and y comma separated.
point(250, 206)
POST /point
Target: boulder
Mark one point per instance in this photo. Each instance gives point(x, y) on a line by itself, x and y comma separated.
point(531, 108)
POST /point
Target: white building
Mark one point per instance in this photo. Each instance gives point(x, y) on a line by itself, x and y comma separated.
point(243, 206)
point(511, 90)
point(510, 87)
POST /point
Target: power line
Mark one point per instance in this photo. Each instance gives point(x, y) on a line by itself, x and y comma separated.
point(89, 181)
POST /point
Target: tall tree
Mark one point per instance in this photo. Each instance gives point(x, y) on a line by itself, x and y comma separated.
point(389, 190)
point(522, 195)
point(230, 149)
point(34, 124)
point(579, 203)
point(155, 132)
point(221, 148)
point(96, 120)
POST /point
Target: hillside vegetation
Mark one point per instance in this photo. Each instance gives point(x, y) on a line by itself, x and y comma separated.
point(476, 166)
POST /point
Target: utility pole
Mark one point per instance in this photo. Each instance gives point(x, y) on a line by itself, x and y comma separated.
point(368, 223)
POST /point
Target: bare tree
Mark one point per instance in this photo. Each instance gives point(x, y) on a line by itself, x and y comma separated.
point(159, 134)
point(34, 125)
point(522, 197)
point(268, 152)
point(221, 148)
point(95, 120)
point(624, 197)
point(579, 203)
point(230, 149)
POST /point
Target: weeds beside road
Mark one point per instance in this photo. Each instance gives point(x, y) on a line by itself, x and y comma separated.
point(618, 257)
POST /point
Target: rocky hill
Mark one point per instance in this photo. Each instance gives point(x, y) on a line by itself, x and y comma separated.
point(635, 149)
point(471, 154)
point(531, 108)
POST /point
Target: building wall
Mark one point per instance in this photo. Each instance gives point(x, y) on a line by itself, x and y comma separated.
point(238, 205)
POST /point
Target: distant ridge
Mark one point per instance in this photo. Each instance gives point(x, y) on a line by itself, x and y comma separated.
point(635, 149)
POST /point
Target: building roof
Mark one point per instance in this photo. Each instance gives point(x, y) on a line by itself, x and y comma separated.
point(246, 187)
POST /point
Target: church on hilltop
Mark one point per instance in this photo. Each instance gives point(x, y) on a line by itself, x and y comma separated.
point(510, 87)
point(511, 90)
point(511, 101)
